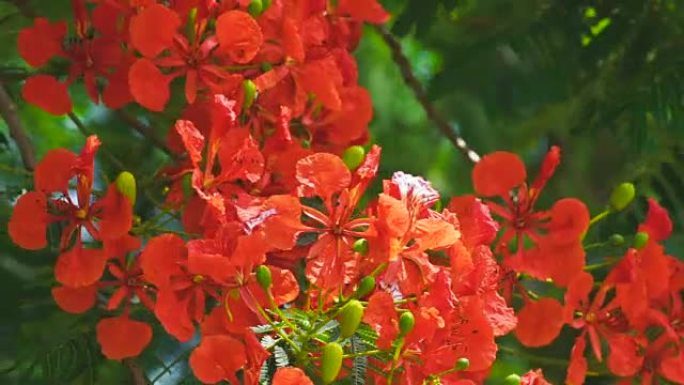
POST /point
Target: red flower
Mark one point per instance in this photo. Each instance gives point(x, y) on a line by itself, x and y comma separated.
point(122, 337)
point(291, 376)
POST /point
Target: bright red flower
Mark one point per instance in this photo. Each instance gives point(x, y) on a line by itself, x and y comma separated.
point(122, 337)
point(539, 322)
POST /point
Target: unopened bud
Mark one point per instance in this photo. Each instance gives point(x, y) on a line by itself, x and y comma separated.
point(622, 196)
point(640, 240)
point(361, 246)
point(617, 240)
point(350, 318)
point(353, 156)
point(126, 185)
point(255, 8)
point(331, 362)
point(512, 379)
point(462, 363)
point(406, 323)
point(263, 277)
point(250, 93)
point(366, 285)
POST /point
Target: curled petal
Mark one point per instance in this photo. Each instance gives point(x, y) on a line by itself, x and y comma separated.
point(29, 220)
point(48, 94)
point(497, 173)
point(122, 337)
point(658, 224)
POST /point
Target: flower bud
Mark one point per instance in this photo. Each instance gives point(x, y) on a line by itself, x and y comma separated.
point(331, 362)
point(512, 379)
point(126, 185)
point(462, 363)
point(640, 240)
point(617, 240)
point(353, 156)
point(256, 8)
point(350, 318)
point(361, 246)
point(406, 323)
point(250, 93)
point(191, 25)
point(622, 196)
point(263, 277)
point(366, 285)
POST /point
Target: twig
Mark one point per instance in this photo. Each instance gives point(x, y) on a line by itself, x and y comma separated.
point(86, 132)
point(8, 110)
point(137, 373)
point(414, 84)
point(147, 132)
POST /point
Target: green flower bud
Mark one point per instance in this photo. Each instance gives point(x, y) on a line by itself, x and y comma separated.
point(462, 363)
point(331, 362)
point(622, 196)
point(353, 156)
point(361, 246)
point(617, 240)
point(256, 8)
point(263, 276)
point(406, 323)
point(265, 67)
point(366, 285)
point(350, 318)
point(640, 240)
point(267, 4)
point(126, 185)
point(250, 93)
point(512, 379)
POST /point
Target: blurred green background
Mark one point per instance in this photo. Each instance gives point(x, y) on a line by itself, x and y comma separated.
point(604, 79)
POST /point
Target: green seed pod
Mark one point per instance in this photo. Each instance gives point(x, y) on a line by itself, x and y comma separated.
point(617, 240)
point(361, 246)
point(512, 379)
point(331, 362)
point(350, 318)
point(462, 363)
point(250, 93)
point(256, 8)
point(267, 4)
point(263, 276)
point(406, 323)
point(640, 240)
point(353, 156)
point(126, 185)
point(366, 285)
point(622, 196)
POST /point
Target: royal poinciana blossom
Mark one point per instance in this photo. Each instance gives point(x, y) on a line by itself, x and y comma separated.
point(278, 256)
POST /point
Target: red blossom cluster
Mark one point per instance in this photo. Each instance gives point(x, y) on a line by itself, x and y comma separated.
point(273, 225)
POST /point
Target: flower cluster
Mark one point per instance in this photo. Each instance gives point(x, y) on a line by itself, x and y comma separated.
point(283, 272)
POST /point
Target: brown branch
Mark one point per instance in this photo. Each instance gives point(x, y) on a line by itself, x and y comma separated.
point(414, 84)
point(137, 373)
point(8, 111)
point(147, 132)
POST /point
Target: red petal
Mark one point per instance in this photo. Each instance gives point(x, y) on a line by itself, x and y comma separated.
point(152, 30)
point(239, 36)
point(48, 94)
point(658, 224)
point(577, 369)
point(382, 317)
point(116, 216)
point(29, 220)
point(285, 287)
point(497, 173)
point(364, 10)
point(161, 257)
point(75, 300)
point(217, 358)
point(539, 322)
point(193, 140)
point(292, 41)
point(53, 172)
point(122, 337)
point(476, 224)
point(80, 267)
point(291, 376)
point(569, 219)
point(322, 175)
point(624, 359)
point(322, 78)
point(149, 87)
point(40, 42)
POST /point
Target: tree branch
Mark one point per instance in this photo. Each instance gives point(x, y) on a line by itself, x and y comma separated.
point(8, 111)
point(414, 84)
point(147, 132)
point(137, 373)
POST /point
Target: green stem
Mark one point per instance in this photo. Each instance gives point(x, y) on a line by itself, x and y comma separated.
point(598, 217)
